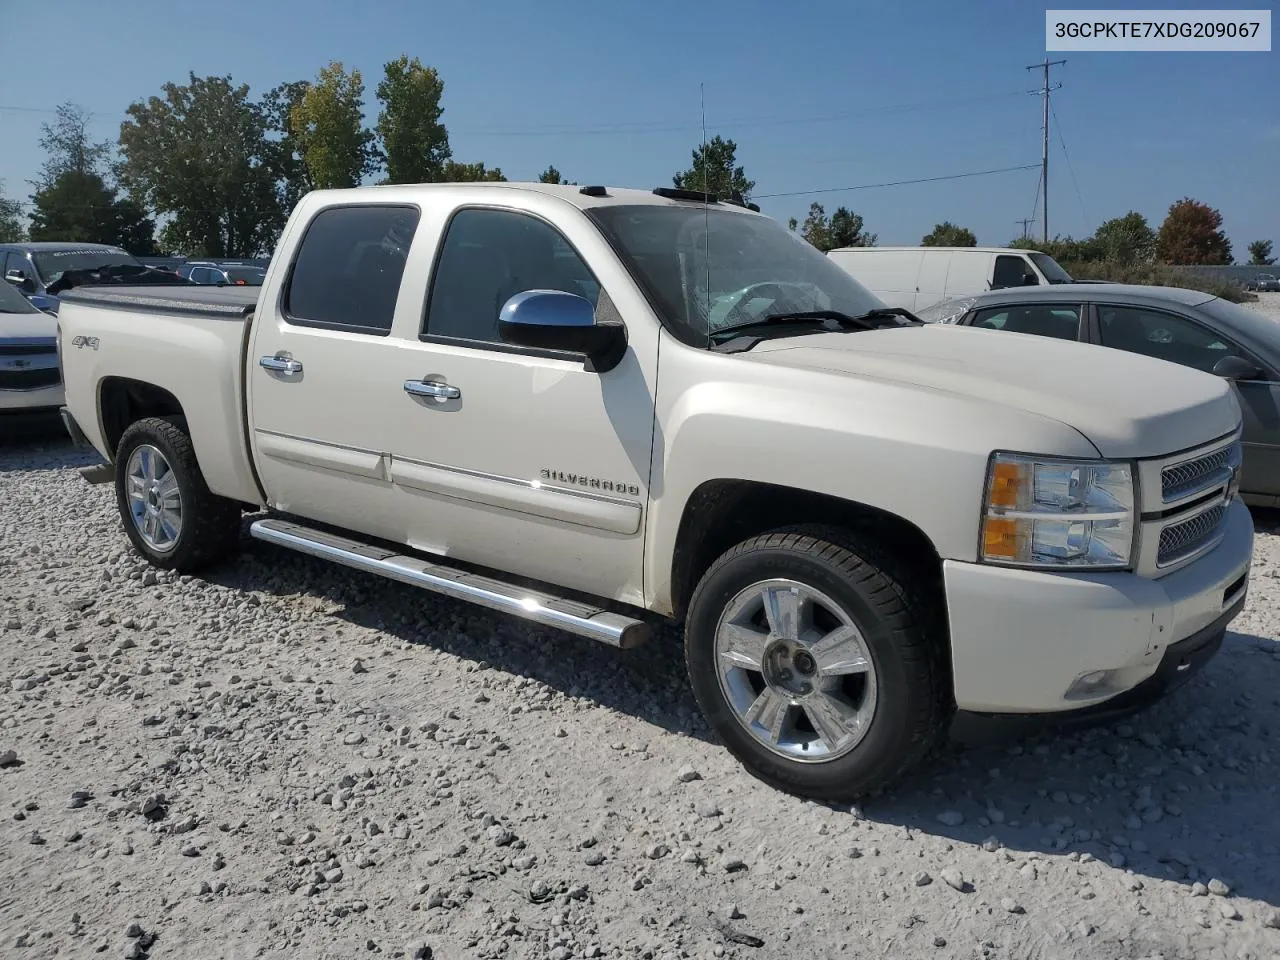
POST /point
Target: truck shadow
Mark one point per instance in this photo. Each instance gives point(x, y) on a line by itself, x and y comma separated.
point(1184, 791)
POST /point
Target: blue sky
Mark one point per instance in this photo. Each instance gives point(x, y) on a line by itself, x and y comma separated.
point(820, 94)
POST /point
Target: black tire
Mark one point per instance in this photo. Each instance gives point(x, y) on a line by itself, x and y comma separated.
point(210, 529)
point(902, 622)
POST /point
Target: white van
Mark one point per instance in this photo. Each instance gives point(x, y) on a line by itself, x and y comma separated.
point(918, 277)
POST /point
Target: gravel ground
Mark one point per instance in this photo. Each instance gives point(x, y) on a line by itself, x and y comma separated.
point(285, 759)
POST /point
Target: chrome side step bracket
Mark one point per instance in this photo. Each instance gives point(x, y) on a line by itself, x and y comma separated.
point(585, 620)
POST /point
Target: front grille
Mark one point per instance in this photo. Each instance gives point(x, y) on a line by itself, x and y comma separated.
point(28, 379)
point(1180, 540)
point(29, 348)
point(1180, 479)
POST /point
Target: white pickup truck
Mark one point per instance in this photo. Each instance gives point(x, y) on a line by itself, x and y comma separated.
point(600, 409)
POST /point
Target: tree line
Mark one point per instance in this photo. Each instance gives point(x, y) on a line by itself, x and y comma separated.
point(222, 171)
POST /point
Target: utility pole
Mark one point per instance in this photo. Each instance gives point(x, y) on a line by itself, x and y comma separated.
point(1044, 152)
point(1025, 223)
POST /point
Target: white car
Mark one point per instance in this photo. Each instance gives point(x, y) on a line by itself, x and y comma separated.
point(30, 381)
point(918, 277)
point(528, 397)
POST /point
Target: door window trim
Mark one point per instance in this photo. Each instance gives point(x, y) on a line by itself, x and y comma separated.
point(287, 286)
point(425, 336)
point(1234, 347)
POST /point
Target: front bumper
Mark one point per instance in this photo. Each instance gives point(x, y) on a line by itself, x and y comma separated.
point(34, 400)
point(1021, 641)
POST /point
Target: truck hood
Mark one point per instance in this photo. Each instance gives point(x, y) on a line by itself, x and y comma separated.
point(1126, 405)
point(23, 326)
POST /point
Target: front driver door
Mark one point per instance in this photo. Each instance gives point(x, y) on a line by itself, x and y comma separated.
point(1180, 339)
point(516, 458)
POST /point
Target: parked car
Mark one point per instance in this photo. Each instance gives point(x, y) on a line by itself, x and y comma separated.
point(29, 379)
point(870, 527)
point(36, 267)
point(235, 275)
point(1263, 281)
point(918, 277)
point(1186, 327)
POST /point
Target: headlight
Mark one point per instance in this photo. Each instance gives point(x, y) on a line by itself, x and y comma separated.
point(1043, 512)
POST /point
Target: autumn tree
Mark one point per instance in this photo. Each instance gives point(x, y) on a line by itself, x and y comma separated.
point(1260, 253)
point(948, 234)
point(198, 155)
point(328, 123)
point(715, 170)
point(1127, 239)
point(415, 144)
point(1192, 234)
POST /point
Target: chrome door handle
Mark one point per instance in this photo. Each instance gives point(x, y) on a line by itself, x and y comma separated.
point(431, 388)
point(280, 365)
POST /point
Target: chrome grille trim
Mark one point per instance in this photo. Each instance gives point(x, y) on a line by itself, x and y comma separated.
point(1200, 474)
point(1192, 535)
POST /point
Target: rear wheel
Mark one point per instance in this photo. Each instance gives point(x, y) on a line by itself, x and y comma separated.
point(169, 513)
point(815, 661)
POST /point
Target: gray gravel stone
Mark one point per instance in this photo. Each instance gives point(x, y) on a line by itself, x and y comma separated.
point(1009, 905)
point(707, 809)
point(687, 774)
point(657, 851)
point(954, 879)
point(951, 818)
point(1218, 888)
point(922, 879)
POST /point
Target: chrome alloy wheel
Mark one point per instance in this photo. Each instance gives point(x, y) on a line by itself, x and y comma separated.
point(155, 502)
point(796, 671)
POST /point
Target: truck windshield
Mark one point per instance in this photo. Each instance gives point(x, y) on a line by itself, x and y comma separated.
point(1049, 267)
point(705, 269)
point(51, 264)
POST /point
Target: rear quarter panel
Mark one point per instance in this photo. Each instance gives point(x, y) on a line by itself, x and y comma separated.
point(196, 359)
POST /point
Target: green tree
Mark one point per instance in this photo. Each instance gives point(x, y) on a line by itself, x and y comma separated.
point(847, 231)
point(550, 175)
point(948, 234)
point(328, 124)
point(715, 171)
point(67, 146)
point(415, 144)
point(283, 152)
point(80, 206)
point(1192, 234)
point(1127, 239)
point(11, 230)
point(1260, 253)
point(455, 172)
point(199, 156)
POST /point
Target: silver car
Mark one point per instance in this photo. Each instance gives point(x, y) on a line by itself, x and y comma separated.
point(1169, 323)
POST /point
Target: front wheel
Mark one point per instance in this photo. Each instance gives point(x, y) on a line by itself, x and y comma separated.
point(169, 513)
point(819, 664)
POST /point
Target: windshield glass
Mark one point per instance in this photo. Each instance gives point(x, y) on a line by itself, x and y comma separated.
point(51, 264)
point(707, 269)
point(12, 300)
point(1049, 267)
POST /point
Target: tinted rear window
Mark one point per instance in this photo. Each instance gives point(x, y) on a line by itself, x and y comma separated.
point(348, 268)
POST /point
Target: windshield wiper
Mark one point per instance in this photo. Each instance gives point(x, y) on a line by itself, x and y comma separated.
point(871, 320)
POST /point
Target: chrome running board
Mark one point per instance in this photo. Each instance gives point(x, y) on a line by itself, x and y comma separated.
point(583, 619)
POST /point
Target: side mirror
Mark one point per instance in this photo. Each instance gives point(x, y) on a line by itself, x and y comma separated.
point(555, 320)
point(1237, 368)
point(1030, 280)
point(18, 277)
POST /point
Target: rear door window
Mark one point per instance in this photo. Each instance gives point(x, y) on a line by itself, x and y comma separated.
point(1165, 336)
point(348, 268)
point(1056, 320)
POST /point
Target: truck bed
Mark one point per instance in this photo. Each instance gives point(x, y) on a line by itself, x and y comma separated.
point(229, 302)
point(185, 342)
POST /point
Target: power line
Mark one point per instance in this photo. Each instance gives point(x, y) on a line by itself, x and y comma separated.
point(1026, 222)
point(633, 128)
point(894, 183)
point(1067, 157)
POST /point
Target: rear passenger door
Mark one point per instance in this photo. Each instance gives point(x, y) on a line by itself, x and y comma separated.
point(323, 373)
